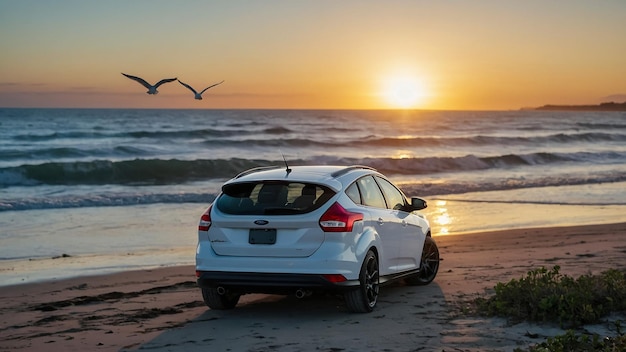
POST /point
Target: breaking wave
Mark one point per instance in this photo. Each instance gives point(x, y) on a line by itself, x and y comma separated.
point(421, 188)
point(174, 171)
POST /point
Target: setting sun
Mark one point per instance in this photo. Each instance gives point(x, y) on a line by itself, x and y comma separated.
point(404, 92)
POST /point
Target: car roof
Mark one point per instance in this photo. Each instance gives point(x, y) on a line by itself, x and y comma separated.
point(333, 176)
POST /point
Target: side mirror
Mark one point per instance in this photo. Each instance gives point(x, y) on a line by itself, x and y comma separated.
point(418, 203)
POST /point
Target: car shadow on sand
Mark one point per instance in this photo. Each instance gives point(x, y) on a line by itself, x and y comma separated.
point(406, 318)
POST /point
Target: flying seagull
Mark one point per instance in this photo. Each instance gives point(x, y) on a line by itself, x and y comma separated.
point(198, 96)
point(152, 89)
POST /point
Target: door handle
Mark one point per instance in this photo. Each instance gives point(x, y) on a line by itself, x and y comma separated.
point(404, 223)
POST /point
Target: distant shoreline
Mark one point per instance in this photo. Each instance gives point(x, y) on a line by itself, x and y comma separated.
point(610, 106)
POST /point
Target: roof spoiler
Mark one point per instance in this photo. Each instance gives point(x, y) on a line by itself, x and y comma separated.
point(256, 169)
point(350, 168)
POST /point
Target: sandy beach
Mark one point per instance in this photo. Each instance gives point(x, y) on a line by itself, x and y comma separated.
point(162, 309)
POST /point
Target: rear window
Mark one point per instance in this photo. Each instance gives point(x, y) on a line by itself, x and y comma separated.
point(282, 198)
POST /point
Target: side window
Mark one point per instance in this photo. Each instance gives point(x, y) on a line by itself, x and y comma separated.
point(353, 193)
point(395, 198)
point(370, 192)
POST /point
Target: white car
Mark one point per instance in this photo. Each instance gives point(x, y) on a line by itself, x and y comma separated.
point(305, 229)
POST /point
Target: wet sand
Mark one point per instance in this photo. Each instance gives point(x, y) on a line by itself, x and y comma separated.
point(162, 309)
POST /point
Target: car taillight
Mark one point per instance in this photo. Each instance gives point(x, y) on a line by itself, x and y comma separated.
point(205, 221)
point(338, 219)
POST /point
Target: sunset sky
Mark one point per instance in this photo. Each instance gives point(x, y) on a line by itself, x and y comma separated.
point(322, 54)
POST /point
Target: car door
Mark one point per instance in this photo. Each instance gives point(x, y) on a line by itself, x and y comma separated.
point(384, 221)
point(406, 227)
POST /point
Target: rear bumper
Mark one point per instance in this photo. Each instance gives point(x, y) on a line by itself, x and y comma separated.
point(269, 282)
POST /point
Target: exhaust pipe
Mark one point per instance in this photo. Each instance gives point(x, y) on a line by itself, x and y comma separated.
point(300, 293)
point(221, 291)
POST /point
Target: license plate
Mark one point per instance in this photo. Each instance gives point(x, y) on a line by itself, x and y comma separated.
point(262, 236)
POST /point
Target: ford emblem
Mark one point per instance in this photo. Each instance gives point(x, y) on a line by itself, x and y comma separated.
point(261, 222)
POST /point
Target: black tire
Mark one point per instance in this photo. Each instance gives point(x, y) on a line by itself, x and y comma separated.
point(363, 299)
point(219, 302)
point(429, 264)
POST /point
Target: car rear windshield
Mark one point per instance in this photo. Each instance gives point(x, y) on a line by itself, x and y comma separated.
point(258, 198)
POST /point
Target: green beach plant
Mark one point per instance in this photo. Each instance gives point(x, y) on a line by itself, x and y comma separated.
point(546, 295)
point(572, 341)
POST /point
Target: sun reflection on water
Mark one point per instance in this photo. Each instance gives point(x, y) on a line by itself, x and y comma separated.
point(442, 217)
point(403, 154)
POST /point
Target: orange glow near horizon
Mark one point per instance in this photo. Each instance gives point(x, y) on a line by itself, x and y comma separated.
point(477, 55)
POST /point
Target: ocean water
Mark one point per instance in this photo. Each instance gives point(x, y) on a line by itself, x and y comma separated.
point(89, 191)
